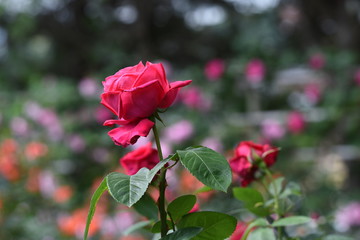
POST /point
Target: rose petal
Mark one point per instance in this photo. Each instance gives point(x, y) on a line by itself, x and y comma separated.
point(111, 122)
point(112, 101)
point(150, 73)
point(129, 134)
point(171, 94)
point(141, 101)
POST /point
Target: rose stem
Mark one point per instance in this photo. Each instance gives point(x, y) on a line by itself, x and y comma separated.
point(276, 196)
point(162, 186)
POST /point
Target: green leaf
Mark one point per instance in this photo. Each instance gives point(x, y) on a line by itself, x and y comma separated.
point(203, 189)
point(181, 206)
point(253, 200)
point(276, 186)
point(289, 221)
point(136, 226)
point(146, 206)
point(262, 234)
point(183, 234)
point(291, 189)
point(208, 166)
point(129, 189)
point(336, 237)
point(157, 226)
point(216, 226)
point(94, 199)
point(259, 222)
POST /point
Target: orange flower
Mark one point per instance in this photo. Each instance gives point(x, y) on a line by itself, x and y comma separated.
point(8, 146)
point(74, 225)
point(34, 150)
point(9, 167)
point(32, 183)
point(63, 194)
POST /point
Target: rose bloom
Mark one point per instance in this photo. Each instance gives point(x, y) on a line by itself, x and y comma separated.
point(244, 162)
point(255, 71)
point(133, 94)
point(357, 77)
point(214, 69)
point(145, 156)
point(317, 61)
point(296, 122)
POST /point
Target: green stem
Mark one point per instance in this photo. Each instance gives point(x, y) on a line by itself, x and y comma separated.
point(276, 196)
point(162, 186)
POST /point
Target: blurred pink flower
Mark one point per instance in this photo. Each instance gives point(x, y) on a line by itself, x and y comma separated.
point(102, 114)
point(255, 71)
point(214, 69)
point(313, 93)
point(194, 98)
point(213, 143)
point(19, 126)
point(47, 183)
point(272, 129)
point(357, 77)
point(123, 220)
point(33, 110)
point(76, 143)
point(88, 87)
point(100, 155)
point(296, 122)
point(317, 61)
point(347, 217)
point(178, 132)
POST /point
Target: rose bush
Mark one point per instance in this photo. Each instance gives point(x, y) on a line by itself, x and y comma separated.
point(133, 94)
point(145, 156)
point(245, 162)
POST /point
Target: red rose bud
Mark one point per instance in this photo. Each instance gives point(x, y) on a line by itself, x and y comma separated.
point(247, 154)
point(144, 156)
point(133, 94)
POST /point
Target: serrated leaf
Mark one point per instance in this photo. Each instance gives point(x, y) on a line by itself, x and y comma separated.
point(156, 228)
point(216, 226)
point(146, 206)
point(129, 189)
point(290, 221)
point(253, 200)
point(262, 234)
point(276, 186)
point(94, 199)
point(136, 227)
point(181, 206)
point(183, 234)
point(208, 166)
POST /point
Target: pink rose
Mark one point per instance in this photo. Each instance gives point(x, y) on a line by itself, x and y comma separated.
point(357, 77)
point(214, 69)
point(244, 161)
point(296, 122)
point(133, 94)
point(312, 92)
point(272, 129)
point(255, 71)
point(317, 61)
point(144, 156)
